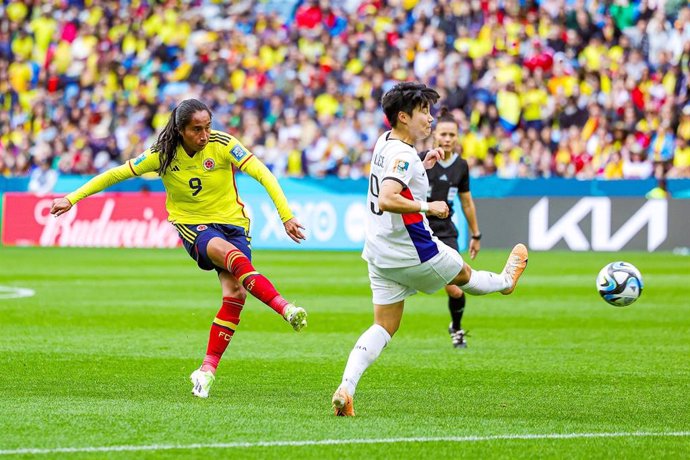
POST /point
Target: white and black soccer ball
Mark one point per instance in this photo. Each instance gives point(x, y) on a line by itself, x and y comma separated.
point(619, 283)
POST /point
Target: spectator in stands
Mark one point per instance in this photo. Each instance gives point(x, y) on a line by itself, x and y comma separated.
point(637, 166)
point(68, 74)
point(43, 178)
point(681, 160)
point(661, 148)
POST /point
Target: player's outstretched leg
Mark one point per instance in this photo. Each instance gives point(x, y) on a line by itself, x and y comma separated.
point(260, 287)
point(482, 282)
point(515, 265)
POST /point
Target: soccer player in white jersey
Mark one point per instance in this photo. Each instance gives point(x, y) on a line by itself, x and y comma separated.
point(402, 253)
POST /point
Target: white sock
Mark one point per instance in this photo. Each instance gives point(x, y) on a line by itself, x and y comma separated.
point(483, 282)
point(365, 352)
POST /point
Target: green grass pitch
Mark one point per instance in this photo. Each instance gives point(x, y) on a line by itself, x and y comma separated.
point(98, 361)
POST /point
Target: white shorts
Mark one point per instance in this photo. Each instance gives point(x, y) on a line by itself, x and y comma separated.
point(391, 285)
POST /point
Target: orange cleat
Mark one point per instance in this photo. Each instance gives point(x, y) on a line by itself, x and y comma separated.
point(342, 403)
point(517, 261)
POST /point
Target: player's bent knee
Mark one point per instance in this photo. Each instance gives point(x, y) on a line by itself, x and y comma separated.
point(463, 277)
point(240, 294)
point(454, 291)
point(231, 286)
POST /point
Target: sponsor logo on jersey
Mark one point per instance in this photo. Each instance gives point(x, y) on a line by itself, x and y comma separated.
point(139, 159)
point(201, 228)
point(209, 164)
point(444, 177)
point(400, 166)
point(238, 152)
point(175, 168)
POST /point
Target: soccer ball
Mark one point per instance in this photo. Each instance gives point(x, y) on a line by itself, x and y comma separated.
point(619, 283)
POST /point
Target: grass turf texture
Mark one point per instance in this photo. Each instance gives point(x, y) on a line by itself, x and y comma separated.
point(101, 356)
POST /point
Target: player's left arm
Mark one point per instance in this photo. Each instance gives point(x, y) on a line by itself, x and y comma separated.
point(470, 212)
point(255, 168)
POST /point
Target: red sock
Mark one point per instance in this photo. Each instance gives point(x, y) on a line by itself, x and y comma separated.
point(254, 282)
point(222, 330)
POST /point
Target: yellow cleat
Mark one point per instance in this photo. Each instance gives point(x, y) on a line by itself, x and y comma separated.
point(517, 261)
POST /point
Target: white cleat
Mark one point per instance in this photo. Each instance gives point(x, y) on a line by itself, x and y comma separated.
point(296, 316)
point(202, 381)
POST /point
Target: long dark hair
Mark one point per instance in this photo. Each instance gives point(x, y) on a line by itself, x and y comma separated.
point(170, 137)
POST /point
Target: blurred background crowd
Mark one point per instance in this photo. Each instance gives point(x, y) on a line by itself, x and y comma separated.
point(568, 88)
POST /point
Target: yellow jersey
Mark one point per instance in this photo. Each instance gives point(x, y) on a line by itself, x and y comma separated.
point(200, 189)
point(533, 101)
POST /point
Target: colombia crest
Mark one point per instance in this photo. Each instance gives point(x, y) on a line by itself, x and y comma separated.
point(209, 164)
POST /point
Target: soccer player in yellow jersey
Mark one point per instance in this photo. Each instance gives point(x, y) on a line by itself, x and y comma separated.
point(196, 166)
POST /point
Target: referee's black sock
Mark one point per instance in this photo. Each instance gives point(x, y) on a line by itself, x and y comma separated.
point(457, 308)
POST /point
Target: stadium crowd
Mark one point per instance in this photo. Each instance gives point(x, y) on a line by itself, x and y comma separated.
point(570, 88)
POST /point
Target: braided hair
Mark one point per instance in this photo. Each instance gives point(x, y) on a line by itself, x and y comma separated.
point(170, 138)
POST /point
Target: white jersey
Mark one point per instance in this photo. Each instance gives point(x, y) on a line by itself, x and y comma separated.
point(397, 240)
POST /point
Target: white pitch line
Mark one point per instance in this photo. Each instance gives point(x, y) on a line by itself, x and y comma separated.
point(9, 292)
point(331, 442)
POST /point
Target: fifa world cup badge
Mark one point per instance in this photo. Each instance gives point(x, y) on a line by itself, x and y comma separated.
point(400, 167)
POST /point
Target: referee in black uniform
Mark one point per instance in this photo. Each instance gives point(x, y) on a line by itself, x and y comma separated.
point(448, 178)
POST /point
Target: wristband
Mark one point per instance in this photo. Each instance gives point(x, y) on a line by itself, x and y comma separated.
point(423, 207)
point(477, 237)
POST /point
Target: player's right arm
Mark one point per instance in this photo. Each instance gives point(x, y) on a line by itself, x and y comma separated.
point(396, 177)
point(391, 200)
point(146, 162)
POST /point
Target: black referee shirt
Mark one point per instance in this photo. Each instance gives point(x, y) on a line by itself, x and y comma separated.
point(445, 183)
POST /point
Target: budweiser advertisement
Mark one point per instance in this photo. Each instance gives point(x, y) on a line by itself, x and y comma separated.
point(129, 220)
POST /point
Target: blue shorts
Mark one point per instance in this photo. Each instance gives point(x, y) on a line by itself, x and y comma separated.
point(195, 239)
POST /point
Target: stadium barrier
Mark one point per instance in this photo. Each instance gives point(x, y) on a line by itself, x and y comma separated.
point(336, 221)
point(482, 187)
